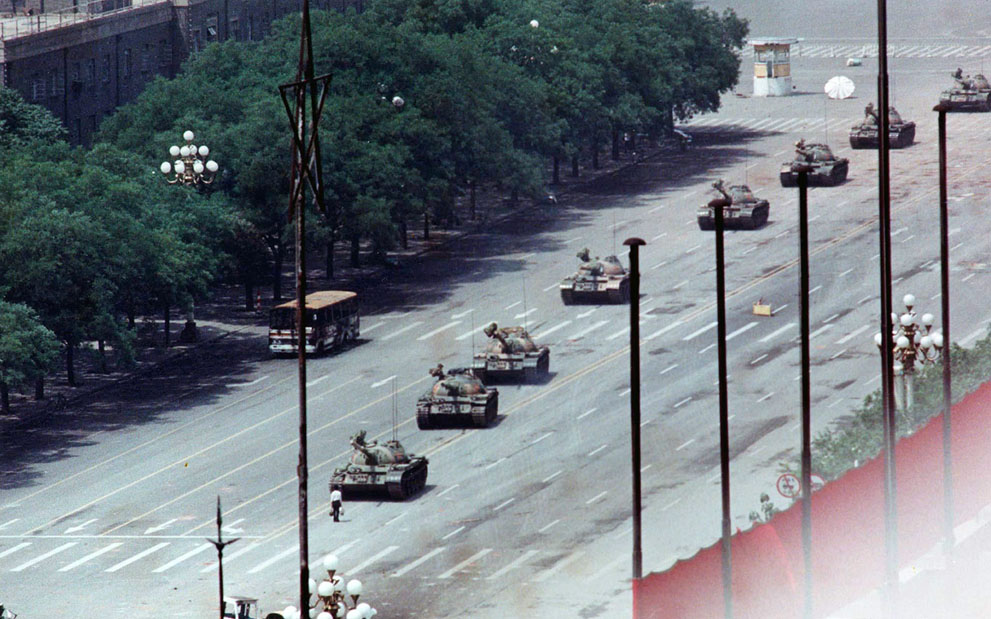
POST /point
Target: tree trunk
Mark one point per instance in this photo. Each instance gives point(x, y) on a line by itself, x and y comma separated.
point(39, 388)
point(5, 398)
point(249, 302)
point(426, 226)
point(615, 144)
point(355, 251)
point(70, 369)
point(514, 197)
point(574, 165)
point(557, 170)
point(329, 271)
point(277, 258)
point(103, 356)
point(168, 325)
point(595, 156)
point(130, 315)
point(404, 234)
point(472, 200)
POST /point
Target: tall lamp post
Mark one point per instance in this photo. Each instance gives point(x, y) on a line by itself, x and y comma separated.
point(190, 166)
point(913, 342)
point(220, 543)
point(634, 245)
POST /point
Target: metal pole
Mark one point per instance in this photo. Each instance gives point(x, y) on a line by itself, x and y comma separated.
point(944, 277)
point(887, 382)
point(219, 543)
point(803, 220)
point(634, 245)
point(723, 413)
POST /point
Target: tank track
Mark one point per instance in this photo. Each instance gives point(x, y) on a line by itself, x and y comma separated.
point(412, 481)
point(481, 417)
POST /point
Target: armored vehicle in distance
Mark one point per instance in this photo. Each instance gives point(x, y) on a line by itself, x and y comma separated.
point(741, 209)
point(377, 468)
point(969, 94)
point(458, 398)
point(511, 352)
point(597, 281)
point(825, 168)
point(867, 134)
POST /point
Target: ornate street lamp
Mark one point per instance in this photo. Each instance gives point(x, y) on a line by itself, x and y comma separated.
point(190, 165)
point(332, 595)
point(913, 342)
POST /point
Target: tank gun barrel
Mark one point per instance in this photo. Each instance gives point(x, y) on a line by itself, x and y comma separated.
point(494, 331)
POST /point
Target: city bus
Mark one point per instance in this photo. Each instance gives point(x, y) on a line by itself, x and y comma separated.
point(332, 320)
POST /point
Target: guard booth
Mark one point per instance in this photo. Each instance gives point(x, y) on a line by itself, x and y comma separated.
point(772, 66)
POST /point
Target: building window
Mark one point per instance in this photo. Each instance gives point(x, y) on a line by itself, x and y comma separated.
point(164, 56)
point(211, 27)
point(105, 73)
point(37, 88)
point(54, 83)
point(127, 64)
point(234, 30)
point(146, 54)
point(90, 72)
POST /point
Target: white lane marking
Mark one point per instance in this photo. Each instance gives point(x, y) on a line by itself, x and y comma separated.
point(460, 566)
point(844, 272)
point(382, 382)
point(544, 334)
point(80, 527)
point(776, 333)
point(742, 329)
point(254, 382)
point(412, 325)
point(588, 313)
point(685, 401)
point(936, 296)
point(415, 564)
point(759, 359)
point(90, 556)
point(285, 553)
point(780, 308)
point(698, 332)
point(685, 444)
point(814, 289)
point(671, 504)
point(875, 379)
point(766, 397)
point(512, 305)
point(449, 325)
point(499, 461)
point(394, 518)
point(663, 330)
point(597, 497)
point(596, 450)
point(968, 277)
point(619, 224)
point(620, 333)
point(559, 566)
point(839, 354)
point(160, 527)
point(137, 557)
point(554, 285)
point(644, 468)
point(691, 249)
point(525, 256)
point(356, 569)
point(373, 327)
point(659, 265)
point(8, 523)
point(668, 369)
point(907, 238)
point(548, 526)
point(446, 490)
point(319, 380)
point(515, 564)
point(587, 413)
point(180, 559)
point(836, 402)
point(657, 208)
point(643, 423)
point(831, 318)
point(525, 314)
point(819, 330)
point(679, 285)
point(234, 555)
point(550, 477)
point(503, 504)
point(867, 298)
point(625, 392)
point(849, 336)
point(612, 565)
point(973, 336)
point(14, 549)
point(585, 332)
point(462, 314)
point(957, 246)
point(779, 235)
point(541, 438)
point(707, 348)
point(577, 238)
point(42, 557)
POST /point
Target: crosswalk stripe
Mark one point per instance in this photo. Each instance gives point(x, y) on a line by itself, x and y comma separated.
point(42, 557)
point(14, 549)
point(91, 556)
point(415, 564)
point(557, 567)
point(356, 569)
point(515, 564)
point(178, 560)
point(270, 561)
point(137, 557)
point(460, 566)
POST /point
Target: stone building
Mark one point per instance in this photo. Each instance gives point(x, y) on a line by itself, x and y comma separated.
point(82, 60)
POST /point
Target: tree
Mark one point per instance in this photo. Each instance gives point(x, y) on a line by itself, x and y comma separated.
point(22, 122)
point(28, 350)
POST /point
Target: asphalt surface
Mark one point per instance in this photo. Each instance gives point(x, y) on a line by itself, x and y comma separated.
point(107, 506)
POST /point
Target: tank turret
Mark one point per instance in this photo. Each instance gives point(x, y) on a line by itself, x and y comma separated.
point(901, 133)
point(741, 209)
point(457, 398)
point(376, 467)
point(824, 168)
point(969, 94)
point(511, 352)
point(597, 280)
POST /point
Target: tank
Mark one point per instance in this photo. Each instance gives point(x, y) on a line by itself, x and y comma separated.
point(969, 94)
point(740, 209)
point(597, 281)
point(901, 133)
point(511, 353)
point(375, 468)
point(458, 398)
point(826, 169)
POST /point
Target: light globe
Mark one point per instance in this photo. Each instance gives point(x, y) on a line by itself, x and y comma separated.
point(174, 150)
point(166, 167)
point(187, 135)
point(212, 166)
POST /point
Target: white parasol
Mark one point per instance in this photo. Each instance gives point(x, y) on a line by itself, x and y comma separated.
point(839, 87)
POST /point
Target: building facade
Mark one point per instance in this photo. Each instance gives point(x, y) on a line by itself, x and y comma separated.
point(82, 60)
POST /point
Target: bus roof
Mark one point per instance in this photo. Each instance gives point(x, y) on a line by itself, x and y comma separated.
point(321, 299)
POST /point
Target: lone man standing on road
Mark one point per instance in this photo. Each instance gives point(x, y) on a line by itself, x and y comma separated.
point(335, 503)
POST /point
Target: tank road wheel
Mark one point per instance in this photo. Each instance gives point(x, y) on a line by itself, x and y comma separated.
point(529, 375)
point(544, 366)
point(396, 490)
point(423, 420)
point(624, 292)
point(841, 174)
point(567, 297)
point(706, 223)
point(787, 180)
point(479, 418)
point(758, 217)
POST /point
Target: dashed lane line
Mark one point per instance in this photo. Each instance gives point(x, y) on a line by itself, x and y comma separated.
point(137, 557)
point(849, 336)
point(520, 560)
point(460, 566)
point(429, 335)
point(233, 555)
point(282, 555)
point(14, 549)
point(91, 556)
point(557, 327)
point(560, 565)
point(547, 526)
point(776, 333)
point(181, 558)
point(42, 557)
point(372, 559)
point(412, 325)
point(415, 564)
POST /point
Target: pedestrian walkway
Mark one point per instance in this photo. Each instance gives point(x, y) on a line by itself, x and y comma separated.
point(854, 50)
